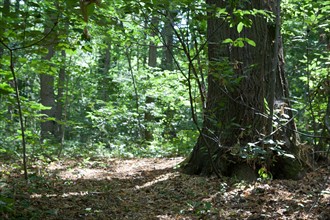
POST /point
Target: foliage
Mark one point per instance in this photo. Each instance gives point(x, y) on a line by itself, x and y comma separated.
point(100, 107)
point(108, 81)
point(109, 101)
point(306, 37)
point(264, 174)
point(6, 204)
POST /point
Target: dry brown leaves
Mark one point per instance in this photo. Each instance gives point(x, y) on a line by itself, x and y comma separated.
point(152, 189)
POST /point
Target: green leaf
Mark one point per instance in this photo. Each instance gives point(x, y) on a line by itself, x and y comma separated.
point(221, 11)
point(90, 9)
point(227, 41)
point(72, 3)
point(5, 88)
point(249, 41)
point(70, 52)
point(240, 27)
point(239, 42)
point(38, 107)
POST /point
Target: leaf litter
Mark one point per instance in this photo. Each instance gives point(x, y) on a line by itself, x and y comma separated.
point(151, 188)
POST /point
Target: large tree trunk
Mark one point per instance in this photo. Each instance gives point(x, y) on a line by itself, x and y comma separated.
point(47, 98)
point(47, 80)
point(238, 85)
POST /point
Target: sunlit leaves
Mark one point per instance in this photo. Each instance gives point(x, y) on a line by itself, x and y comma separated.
point(228, 40)
point(124, 25)
point(241, 17)
point(221, 12)
point(240, 27)
point(249, 41)
point(239, 42)
point(306, 30)
point(6, 89)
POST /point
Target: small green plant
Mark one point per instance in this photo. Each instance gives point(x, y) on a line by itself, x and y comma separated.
point(6, 204)
point(200, 208)
point(264, 174)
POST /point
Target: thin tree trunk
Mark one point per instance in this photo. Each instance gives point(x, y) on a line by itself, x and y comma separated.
point(60, 98)
point(65, 116)
point(137, 106)
point(148, 118)
point(167, 61)
point(105, 80)
point(152, 61)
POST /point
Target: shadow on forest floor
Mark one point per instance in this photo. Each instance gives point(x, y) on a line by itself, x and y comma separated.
point(152, 189)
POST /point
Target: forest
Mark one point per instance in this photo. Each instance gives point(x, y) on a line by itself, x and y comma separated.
point(165, 109)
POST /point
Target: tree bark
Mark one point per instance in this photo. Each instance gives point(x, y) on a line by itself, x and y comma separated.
point(47, 95)
point(167, 32)
point(60, 99)
point(152, 61)
point(105, 80)
point(238, 82)
point(148, 119)
point(47, 98)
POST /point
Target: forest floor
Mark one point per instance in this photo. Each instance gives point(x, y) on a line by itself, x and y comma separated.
point(152, 189)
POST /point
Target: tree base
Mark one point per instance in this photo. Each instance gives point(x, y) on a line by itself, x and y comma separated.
point(283, 168)
point(287, 168)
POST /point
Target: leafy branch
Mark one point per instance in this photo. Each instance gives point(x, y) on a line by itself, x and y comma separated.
point(18, 100)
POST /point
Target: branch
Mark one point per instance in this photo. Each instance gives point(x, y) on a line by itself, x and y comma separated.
point(18, 100)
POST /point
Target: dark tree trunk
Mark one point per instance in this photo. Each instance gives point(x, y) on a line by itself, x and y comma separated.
point(148, 119)
point(60, 99)
point(6, 8)
point(105, 80)
point(47, 98)
point(152, 61)
point(238, 82)
point(167, 60)
point(47, 94)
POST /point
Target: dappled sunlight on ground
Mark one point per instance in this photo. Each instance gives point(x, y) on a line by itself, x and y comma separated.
point(152, 189)
point(113, 168)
